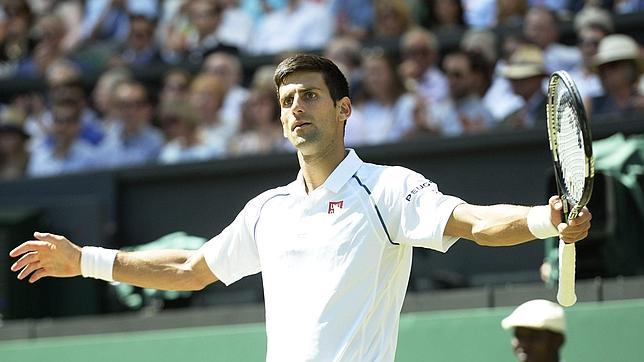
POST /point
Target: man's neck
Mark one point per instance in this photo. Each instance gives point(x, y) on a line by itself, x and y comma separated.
point(317, 167)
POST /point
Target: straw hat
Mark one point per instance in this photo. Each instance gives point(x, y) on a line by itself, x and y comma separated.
point(525, 62)
point(617, 47)
point(537, 314)
point(12, 120)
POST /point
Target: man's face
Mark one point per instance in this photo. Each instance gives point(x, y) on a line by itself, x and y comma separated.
point(534, 345)
point(205, 16)
point(459, 75)
point(222, 67)
point(418, 52)
point(540, 28)
point(310, 119)
point(133, 106)
point(526, 87)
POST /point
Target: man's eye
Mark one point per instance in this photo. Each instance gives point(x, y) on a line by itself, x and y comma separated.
point(310, 95)
point(286, 102)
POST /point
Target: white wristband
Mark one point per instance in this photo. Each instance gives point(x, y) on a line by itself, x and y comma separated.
point(97, 262)
point(539, 222)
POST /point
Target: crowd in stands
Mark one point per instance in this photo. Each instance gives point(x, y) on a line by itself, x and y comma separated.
point(205, 108)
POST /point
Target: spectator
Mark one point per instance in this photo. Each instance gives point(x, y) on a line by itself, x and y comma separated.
point(64, 79)
point(16, 40)
point(72, 11)
point(260, 130)
point(539, 328)
point(472, 114)
point(541, 27)
point(133, 140)
point(392, 18)
point(526, 72)
point(176, 83)
point(310, 26)
point(185, 141)
point(619, 64)
point(419, 48)
point(50, 32)
point(345, 52)
point(591, 26)
point(104, 96)
point(63, 151)
point(385, 108)
point(108, 20)
point(139, 48)
point(13, 144)
point(510, 13)
point(227, 68)
point(495, 90)
point(444, 16)
point(207, 94)
point(353, 18)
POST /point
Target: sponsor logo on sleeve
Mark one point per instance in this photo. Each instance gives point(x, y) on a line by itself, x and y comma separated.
point(417, 189)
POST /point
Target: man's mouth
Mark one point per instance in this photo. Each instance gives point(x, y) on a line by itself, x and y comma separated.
point(299, 125)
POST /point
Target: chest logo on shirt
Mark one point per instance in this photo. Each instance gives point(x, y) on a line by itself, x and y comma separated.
point(335, 205)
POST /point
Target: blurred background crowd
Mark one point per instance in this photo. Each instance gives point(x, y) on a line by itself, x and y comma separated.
point(119, 83)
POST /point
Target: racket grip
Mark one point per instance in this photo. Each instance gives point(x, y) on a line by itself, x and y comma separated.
point(566, 293)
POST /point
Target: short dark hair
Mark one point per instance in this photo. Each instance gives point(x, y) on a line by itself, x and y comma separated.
point(333, 77)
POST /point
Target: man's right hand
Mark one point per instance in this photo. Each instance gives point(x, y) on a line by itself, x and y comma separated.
point(49, 255)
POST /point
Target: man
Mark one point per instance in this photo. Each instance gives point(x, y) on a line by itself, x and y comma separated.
point(526, 72)
point(227, 68)
point(538, 331)
point(64, 150)
point(541, 27)
point(459, 67)
point(132, 140)
point(620, 67)
point(334, 246)
point(419, 48)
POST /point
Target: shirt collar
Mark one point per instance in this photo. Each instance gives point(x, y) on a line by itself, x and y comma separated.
point(342, 173)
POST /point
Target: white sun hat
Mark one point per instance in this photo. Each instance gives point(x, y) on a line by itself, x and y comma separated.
point(616, 47)
point(537, 314)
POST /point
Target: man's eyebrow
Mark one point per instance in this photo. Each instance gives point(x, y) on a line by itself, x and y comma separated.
point(298, 90)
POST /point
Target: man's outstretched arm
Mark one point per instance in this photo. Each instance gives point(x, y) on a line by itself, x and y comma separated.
point(503, 225)
point(53, 255)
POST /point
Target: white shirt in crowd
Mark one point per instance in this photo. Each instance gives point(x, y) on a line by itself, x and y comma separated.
point(335, 262)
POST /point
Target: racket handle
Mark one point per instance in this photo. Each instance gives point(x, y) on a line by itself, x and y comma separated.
point(566, 294)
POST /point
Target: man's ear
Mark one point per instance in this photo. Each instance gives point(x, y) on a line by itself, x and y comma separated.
point(345, 108)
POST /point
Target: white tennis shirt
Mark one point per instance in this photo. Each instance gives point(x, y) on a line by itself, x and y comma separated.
point(335, 262)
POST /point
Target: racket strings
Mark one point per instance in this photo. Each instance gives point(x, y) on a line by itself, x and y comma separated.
point(570, 146)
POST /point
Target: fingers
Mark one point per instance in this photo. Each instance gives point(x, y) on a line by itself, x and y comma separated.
point(29, 246)
point(28, 270)
point(52, 238)
point(28, 258)
point(577, 228)
point(40, 273)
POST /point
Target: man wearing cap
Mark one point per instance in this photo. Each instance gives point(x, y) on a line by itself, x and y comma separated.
point(526, 72)
point(620, 67)
point(539, 327)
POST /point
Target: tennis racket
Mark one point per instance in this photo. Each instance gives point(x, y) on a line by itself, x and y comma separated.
point(574, 166)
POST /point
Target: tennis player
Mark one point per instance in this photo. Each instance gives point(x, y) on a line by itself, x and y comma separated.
point(334, 246)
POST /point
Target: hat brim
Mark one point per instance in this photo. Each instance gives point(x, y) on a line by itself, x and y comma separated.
point(523, 71)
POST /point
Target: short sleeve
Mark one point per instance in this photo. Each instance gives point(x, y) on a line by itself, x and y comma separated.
point(232, 254)
point(423, 213)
